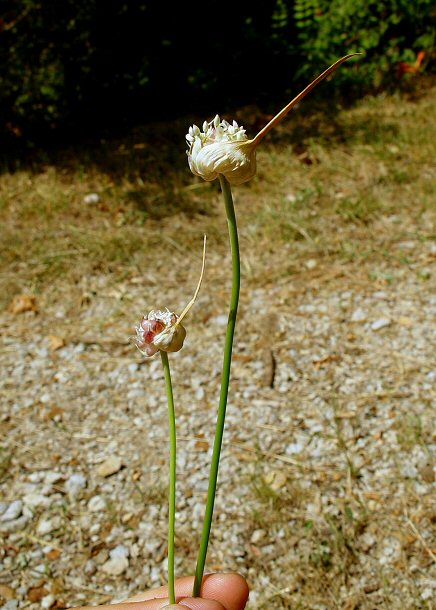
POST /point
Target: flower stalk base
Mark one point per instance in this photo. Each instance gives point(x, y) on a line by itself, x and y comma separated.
point(172, 482)
point(225, 379)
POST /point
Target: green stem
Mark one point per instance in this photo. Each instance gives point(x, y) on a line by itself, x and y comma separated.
point(236, 274)
point(172, 484)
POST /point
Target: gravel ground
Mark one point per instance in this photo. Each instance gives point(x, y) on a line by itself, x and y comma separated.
point(327, 480)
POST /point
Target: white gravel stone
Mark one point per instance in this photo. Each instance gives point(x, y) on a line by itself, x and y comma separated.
point(409, 471)
point(90, 568)
point(46, 526)
point(96, 504)
point(39, 570)
point(391, 551)
point(75, 485)
point(358, 315)
point(110, 466)
point(91, 198)
point(15, 525)
point(35, 500)
point(119, 551)
point(36, 477)
point(199, 394)
point(257, 536)
point(12, 511)
point(118, 561)
point(52, 477)
point(427, 593)
point(294, 448)
point(47, 601)
point(380, 323)
point(220, 320)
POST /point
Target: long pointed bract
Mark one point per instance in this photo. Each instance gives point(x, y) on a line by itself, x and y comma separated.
point(263, 132)
point(197, 290)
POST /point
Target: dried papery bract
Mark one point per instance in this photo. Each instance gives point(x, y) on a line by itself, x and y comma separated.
point(162, 330)
point(224, 149)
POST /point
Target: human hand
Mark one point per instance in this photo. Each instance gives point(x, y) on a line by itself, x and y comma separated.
point(219, 592)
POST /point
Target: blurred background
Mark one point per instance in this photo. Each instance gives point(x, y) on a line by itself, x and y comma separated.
point(75, 67)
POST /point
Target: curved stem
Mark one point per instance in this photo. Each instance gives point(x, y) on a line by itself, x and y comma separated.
point(236, 273)
point(172, 483)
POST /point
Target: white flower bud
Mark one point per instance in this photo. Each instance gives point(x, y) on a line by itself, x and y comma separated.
point(221, 148)
point(234, 160)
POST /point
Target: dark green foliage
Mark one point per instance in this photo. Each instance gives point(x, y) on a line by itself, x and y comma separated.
point(81, 65)
point(387, 32)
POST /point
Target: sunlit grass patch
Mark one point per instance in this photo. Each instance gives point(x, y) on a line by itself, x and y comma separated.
point(334, 189)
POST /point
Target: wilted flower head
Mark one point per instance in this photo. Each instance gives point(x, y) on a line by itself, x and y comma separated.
point(162, 330)
point(159, 330)
point(223, 148)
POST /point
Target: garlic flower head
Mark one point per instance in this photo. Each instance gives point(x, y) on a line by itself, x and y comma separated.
point(159, 330)
point(221, 148)
point(224, 149)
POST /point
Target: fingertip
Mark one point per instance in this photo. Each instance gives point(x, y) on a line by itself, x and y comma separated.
point(230, 589)
point(239, 586)
point(242, 585)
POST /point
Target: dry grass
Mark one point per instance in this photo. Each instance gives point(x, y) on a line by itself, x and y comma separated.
point(335, 194)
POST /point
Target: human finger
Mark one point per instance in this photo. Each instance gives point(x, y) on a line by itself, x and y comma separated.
point(162, 603)
point(195, 603)
point(230, 590)
point(152, 604)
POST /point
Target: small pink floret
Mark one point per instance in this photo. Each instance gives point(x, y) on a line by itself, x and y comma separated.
point(151, 328)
